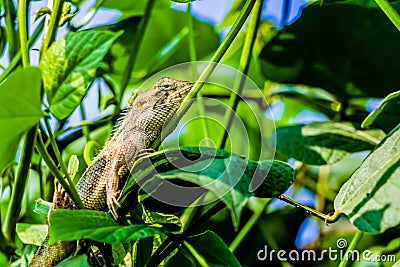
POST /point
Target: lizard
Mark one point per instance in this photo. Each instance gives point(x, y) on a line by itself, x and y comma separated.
point(99, 185)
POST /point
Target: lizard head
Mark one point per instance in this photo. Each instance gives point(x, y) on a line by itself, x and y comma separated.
point(151, 109)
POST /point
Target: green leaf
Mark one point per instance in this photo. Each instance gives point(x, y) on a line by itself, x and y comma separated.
point(162, 161)
point(213, 249)
point(75, 261)
point(278, 179)
point(119, 251)
point(4, 260)
point(387, 115)
point(73, 166)
point(370, 197)
point(326, 142)
point(230, 180)
point(317, 98)
point(99, 226)
point(20, 109)
point(228, 176)
point(342, 53)
point(70, 65)
point(42, 207)
point(306, 92)
point(32, 233)
point(143, 250)
point(155, 217)
point(3, 38)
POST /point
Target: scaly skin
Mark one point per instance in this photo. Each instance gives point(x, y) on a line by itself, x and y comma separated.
point(99, 185)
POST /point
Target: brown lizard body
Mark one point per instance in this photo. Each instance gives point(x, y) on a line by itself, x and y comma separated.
point(98, 186)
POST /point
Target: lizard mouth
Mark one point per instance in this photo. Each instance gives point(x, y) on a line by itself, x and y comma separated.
point(181, 91)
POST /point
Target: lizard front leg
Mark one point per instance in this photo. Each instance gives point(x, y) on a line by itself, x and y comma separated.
point(118, 170)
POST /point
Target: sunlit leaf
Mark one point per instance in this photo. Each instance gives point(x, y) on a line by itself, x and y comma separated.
point(32, 233)
point(99, 226)
point(228, 176)
point(73, 166)
point(370, 197)
point(20, 109)
point(387, 115)
point(316, 98)
point(70, 65)
point(326, 142)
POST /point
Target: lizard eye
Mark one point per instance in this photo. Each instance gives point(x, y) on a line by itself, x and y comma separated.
point(167, 86)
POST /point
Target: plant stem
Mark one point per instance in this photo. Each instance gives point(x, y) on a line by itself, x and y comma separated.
point(161, 254)
point(237, 25)
point(356, 238)
point(92, 11)
point(16, 59)
point(10, 26)
point(56, 12)
point(23, 170)
point(244, 65)
point(126, 76)
point(172, 241)
point(390, 12)
point(192, 44)
point(69, 188)
point(57, 152)
point(193, 58)
point(234, 100)
point(248, 226)
point(327, 218)
point(6, 247)
point(200, 260)
point(23, 33)
point(14, 208)
point(85, 128)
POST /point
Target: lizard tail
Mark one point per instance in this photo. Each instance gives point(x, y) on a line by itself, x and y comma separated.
point(48, 256)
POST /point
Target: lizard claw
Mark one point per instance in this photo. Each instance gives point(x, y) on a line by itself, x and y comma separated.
point(112, 202)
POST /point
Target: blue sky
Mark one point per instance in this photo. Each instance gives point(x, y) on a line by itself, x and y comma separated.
point(210, 11)
point(213, 11)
